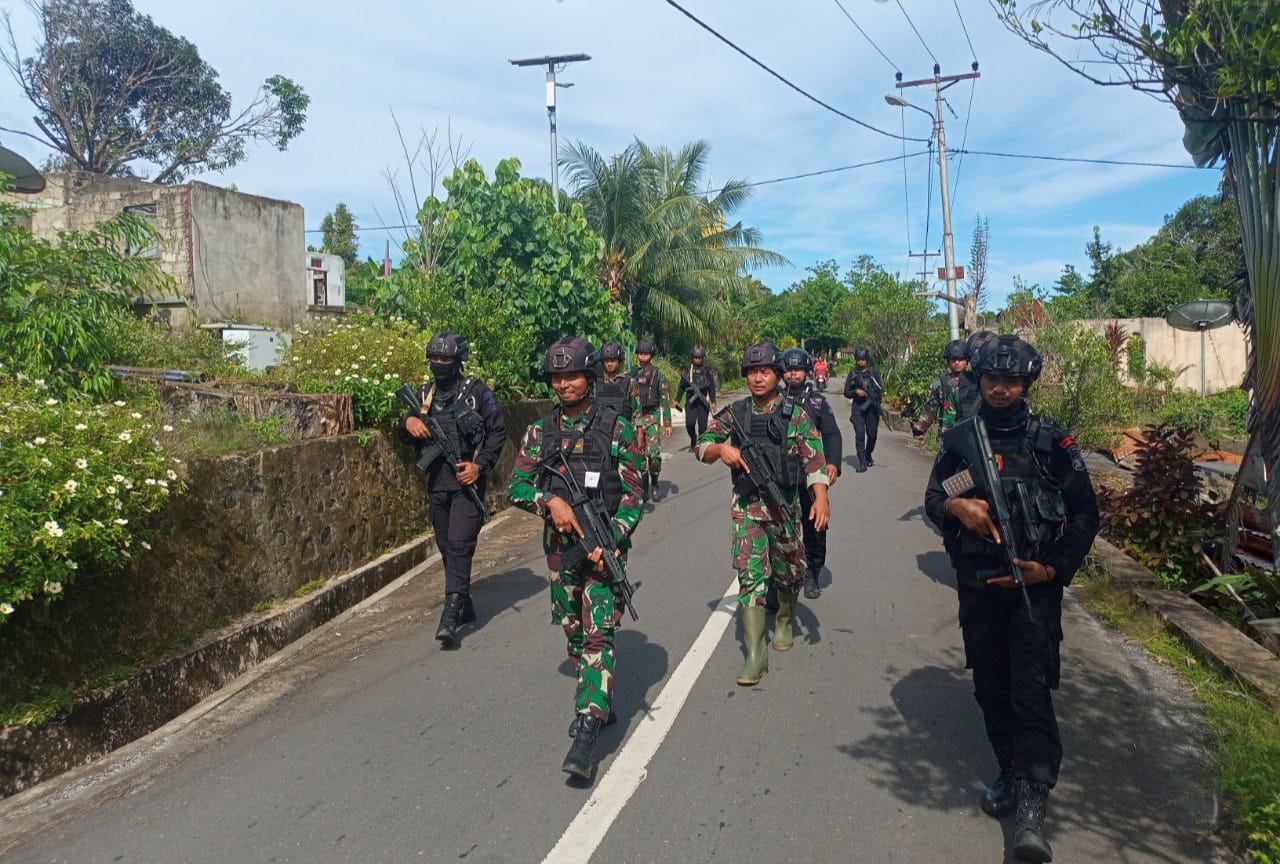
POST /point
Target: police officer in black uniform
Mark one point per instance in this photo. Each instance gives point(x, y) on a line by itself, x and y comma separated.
point(615, 388)
point(1015, 660)
point(469, 413)
point(866, 390)
point(702, 380)
point(797, 366)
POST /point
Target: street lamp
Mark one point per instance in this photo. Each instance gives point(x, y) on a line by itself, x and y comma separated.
point(551, 63)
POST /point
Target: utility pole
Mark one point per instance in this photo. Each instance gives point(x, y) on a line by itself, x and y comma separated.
point(948, 272)
point(560, 60)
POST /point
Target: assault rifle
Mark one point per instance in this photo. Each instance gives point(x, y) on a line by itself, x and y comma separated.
point(597, 530)
point(439, 446)
point(759, 473)
point(1014, 518)
point(696, 395)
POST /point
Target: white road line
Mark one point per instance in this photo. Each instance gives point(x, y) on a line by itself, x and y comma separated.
point(615, 788)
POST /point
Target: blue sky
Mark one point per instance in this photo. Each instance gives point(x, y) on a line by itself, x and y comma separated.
point(657, 76)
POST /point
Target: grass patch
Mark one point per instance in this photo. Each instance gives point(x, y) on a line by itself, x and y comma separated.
point(264, 605)
point(221, 432)
point(307, 587)
point(1246, 729)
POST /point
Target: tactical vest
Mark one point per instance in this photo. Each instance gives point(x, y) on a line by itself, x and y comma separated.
point(701, 380)
point(1024, 459)
point(968, 396)
point(615, 394)
point(589, 449)
point(769, 442)
point(960, 399)
point(458, 415)
point(648, 382)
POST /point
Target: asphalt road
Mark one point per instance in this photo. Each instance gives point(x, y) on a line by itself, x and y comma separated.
point(368, 743)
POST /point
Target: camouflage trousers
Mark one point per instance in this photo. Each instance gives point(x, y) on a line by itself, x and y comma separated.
point(764, 552)
point(652, 426)
point(588, 609)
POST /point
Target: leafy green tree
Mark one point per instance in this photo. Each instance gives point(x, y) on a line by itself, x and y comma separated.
point(113, 91)
point(669, 255)
point(809, 308)
point(882, 313)
point(62, 305)
point(339, 232)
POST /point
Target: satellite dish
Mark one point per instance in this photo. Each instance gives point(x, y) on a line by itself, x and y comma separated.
point(25, 177)
point(1199, 316)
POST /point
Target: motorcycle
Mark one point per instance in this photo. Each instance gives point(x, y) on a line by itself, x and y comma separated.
point(821, 382)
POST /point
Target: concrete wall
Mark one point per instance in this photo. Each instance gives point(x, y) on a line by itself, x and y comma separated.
point(1225, 351)
point(247, 266)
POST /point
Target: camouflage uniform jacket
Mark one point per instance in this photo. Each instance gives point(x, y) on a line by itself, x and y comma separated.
point(526, 494)
point(943, 402)
point(802, 439)
point(642, 375)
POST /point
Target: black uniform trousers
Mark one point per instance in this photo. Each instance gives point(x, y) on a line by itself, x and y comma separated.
point(695, 421)
point(815, 541)
point(866, 426)
point(456, 521)
point(1015, 665)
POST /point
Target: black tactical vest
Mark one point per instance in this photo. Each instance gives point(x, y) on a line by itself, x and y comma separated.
point(1023, 460)
point(457, 414)
point(769, 442)
point(700, 379)
point(589, 449)
point(615, 394)
point(650, 391)
point(968, 396)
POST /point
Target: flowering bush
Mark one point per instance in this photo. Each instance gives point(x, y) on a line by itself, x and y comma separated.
point(366, 357)
point(75, 480)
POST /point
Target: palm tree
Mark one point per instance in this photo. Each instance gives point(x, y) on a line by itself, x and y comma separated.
point(669, 255)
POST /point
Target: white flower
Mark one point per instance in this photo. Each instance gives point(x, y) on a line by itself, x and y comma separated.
point(167, 427)
point(52, 528)
point(125, 437)
point(118, 504)
point(71, 486)
point(146, 545)
point(120, 521)
point(111, 490)
point(128, 484)
point(80, 427)
point(44, 460)
point(51, 587)
point(136, 415)
point(118, 403)
point(164, 484)
point(39, 441)
point(151, 481)
point(386, 377)
point(171, 474)
point(51, 401)
point(6, 608)
point(82, 463)
point(71, 565)
point(119, 478)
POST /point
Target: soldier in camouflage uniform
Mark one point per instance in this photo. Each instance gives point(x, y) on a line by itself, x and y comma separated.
point(767, 543)
point(604, 454)
point(953, 396)
point(654, 418)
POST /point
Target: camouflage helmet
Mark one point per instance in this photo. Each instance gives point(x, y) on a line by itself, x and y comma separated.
point(572, 354)
point(1009, 356)
point(699, 351)
point(611, 351)
point(956, 349)
point(646, 346)
point(762, 354)
point(796, 358)
point(447, 343)
point(861, 353)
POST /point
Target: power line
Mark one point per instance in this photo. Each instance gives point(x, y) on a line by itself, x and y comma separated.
point(1082, 159)
point(913, 28)
point(867, 37)
point(906, 195)
point(797, 88)
point(959, 15)
point(964, 138)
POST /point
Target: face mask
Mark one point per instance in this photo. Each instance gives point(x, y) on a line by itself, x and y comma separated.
point(444, 373)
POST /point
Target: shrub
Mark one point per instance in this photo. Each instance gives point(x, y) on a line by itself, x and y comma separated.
point(1215, 416)
point(908, 388)
point(1079, 387)
point(152, 343)
point(76, 478)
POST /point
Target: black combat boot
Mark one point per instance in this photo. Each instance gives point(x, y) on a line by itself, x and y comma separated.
point(1028, 835)
point(1001, 797)
point(870, 461)
point(468, 613)
point(577, 721)
point(862, 462)
point(811, 589)
point(578, 762)
point(771, 598)
point(655, 493)
point(447, 631)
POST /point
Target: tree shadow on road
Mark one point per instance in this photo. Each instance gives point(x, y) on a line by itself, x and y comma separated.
point(1134, 783)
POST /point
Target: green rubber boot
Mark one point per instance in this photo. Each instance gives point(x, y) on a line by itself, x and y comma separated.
point(782, 638)
point(757, 662)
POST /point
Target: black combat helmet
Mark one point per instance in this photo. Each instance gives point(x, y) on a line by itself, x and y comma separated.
point(796, 358)
point(646, 346)
point(572, 354)
point(611, 351)
point(1009, 356)
point(762, 354)
point(447, 343)
point(956, 349)
point(699, 351)
point(976, 342)
point(862, 354)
